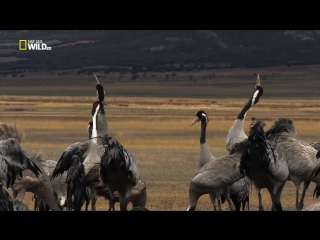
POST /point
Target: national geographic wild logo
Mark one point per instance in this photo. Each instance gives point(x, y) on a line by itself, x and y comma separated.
point(32, 45)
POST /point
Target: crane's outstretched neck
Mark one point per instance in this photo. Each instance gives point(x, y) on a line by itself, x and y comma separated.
point(203, 131)
point(255, 96)
point(236, 133)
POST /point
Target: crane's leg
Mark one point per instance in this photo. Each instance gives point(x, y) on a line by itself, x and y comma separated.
point(278, 205)
point(93, 203)
point(219, 204)
point(297, 195)
point(227, 197)
point(245, 201)
point(111, 200)
point(305, 187)
point(123, 201)
point(213, 201)
point(87, 204)
point(260, 200)
point(272, 196)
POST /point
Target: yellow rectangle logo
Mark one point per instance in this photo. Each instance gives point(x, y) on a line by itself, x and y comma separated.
point(23, 45)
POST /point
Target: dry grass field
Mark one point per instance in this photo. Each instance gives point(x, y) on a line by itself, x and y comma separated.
point(151, 117)
point(157, 132)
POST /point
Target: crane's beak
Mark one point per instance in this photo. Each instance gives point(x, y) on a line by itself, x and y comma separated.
point(258, 80)
point(194, 121)
point(96, 78)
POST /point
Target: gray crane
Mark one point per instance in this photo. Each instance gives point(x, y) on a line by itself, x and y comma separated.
point(137, 196)
point(82, 165)
point(205, 154)
point(118, 171)
point(216, 177)
point(236, 133)
point(264, 163)
point(94, 150)
point(51, 194)
point(300, 155)
point(239, 191)
point(82, 160)
point(13, 161)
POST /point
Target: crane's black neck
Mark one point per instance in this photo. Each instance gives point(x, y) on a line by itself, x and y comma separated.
point(203, 131)
point(246, 107)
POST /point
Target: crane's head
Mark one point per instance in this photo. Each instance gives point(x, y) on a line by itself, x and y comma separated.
point(100, 91)
point(258, 91)
point(200, 116)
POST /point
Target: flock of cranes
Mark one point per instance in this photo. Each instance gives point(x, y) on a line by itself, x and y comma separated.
point(101, 166)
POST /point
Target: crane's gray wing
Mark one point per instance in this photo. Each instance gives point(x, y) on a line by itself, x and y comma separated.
point(219, 173)
point(16, 158)
point(65, 160)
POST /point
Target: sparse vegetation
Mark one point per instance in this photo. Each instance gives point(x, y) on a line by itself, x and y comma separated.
point(153, 119)
point(153, 127)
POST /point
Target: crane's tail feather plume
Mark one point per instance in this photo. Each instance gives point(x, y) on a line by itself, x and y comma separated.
point(112, 157)
point(11, 131)
point(316, 191)
point(33, 165)
point(117, 157)
point(280, 126)
point(245, 189)
point(260, 151)
point(315, 171)
point(76, 190)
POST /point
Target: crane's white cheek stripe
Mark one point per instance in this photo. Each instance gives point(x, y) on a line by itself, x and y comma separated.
point(205, 117)
point(254, 97)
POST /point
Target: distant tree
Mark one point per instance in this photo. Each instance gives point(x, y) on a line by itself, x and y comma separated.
point(22, 75)
point(167, 76)
point(14, 75)
point(191, 77)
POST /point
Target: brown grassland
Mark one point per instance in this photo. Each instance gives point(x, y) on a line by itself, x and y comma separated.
point(156, 130)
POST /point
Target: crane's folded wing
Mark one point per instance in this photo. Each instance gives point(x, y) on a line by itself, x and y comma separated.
point(219, 173)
